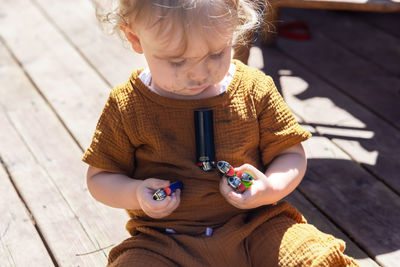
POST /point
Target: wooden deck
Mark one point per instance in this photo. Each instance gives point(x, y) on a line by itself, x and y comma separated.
point(57, 67)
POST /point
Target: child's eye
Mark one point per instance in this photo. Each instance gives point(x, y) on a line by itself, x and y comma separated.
point(177, 64)
point(217, 55)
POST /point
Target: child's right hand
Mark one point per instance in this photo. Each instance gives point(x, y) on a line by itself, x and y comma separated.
point(155, 208)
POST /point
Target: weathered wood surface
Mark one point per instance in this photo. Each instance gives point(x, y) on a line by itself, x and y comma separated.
point(388, 23)
point(58, 75)
point(40, 165)
point(18, 233)
point(358, 5)
point(361, 134)
point(315, 217)
point(312, 76)
point(348, 30)
point(363, 81)
point(55, 67)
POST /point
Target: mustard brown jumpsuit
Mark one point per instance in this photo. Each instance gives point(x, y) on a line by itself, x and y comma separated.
point(142, 134)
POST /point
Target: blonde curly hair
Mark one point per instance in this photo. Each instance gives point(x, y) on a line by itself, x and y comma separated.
point(165, 15)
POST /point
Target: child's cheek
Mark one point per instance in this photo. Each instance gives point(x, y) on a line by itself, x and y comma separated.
point(215, 75)
point(220, 69)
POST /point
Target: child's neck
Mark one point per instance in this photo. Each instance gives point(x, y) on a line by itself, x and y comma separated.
point(211, 91)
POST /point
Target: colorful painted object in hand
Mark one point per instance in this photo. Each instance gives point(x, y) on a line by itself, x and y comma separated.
point(239, 181)
point(162, 193)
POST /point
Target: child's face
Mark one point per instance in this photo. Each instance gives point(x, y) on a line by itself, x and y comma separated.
point(192, 75)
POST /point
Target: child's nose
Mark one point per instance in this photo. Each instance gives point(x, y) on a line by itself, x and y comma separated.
point(199, 72)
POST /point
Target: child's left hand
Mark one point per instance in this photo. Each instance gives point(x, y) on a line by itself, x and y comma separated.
point(254, 196)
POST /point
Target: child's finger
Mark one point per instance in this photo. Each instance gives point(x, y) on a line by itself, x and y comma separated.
point(163, 208)
point(175, 200)
point(159, 209)
point(155, 184)
point(237, 200)
point(253, 171)
point(224, 188)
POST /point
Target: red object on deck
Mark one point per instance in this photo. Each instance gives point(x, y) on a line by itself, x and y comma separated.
point(297, 30)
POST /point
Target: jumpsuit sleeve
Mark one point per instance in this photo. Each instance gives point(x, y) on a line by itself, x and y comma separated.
point(279, 130)
point(111, 149)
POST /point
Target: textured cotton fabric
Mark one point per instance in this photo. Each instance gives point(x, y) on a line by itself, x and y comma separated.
point(142, 134)
point(270, 236)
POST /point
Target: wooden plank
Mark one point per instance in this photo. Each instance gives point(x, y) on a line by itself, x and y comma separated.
point(359, 5)
point(81, 89)
point(109, 55)
point(23, 112)
point(312, 213)
point(349, 32)
point(335, 184)
point(314, 217)
point(355, 76)
point(353, 128)
point(386, 22)
point(58, 171)
point(366, 209)
point(54, 64)
point(60, 228)
point(20, 243)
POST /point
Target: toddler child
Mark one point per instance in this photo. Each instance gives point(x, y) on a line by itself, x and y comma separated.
point(145, 140)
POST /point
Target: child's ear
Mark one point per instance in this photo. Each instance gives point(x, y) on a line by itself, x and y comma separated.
point(132, 38)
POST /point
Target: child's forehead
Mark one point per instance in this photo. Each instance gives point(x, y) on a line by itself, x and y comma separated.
point(192, 45)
